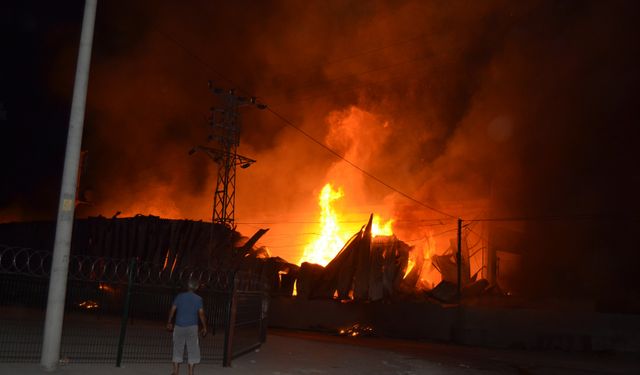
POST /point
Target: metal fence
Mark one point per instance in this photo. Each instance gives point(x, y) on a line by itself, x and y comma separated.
point(116, 309)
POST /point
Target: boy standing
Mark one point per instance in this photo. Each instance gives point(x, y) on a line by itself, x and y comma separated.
point(187, 307)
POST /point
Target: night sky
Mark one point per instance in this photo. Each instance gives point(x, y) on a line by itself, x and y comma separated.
point(528, 109)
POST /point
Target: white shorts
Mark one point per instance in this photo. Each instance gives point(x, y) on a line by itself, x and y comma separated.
point(186, 336)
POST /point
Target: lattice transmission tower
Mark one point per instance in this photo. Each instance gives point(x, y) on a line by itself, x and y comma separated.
point(225, 138)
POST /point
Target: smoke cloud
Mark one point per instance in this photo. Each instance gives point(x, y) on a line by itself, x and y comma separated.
point(492, 109)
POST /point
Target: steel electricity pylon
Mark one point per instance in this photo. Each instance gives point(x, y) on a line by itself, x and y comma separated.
point(225, 138)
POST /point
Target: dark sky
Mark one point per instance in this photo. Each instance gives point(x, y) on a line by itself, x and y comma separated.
point(33, 120)
point(527, 109)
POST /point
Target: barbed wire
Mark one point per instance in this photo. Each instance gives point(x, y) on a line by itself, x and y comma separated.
point(37, 263)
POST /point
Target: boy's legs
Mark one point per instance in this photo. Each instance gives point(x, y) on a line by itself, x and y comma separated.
point(179, 341)
point(193, 348)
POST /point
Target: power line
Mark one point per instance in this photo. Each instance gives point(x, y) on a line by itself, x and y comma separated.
point(296, 222)
point(477, 242)
point(294, 234)
point(434, 222)
point(481, 237)
point(432, 235)
point(286, 246)
point(288, 122)
point(335, 153)
point(575, 217)
point(350, 57)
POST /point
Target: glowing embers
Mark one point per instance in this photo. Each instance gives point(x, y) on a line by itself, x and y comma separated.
point(333, 234)
point(88, 305)
point(105, 288)
point(357, 330)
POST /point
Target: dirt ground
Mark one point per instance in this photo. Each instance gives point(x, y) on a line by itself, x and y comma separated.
point(291, 352)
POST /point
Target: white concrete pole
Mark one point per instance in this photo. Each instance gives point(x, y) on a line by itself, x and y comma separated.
point(60, 262)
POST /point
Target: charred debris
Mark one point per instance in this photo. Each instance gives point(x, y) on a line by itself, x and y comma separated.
point(366, 269)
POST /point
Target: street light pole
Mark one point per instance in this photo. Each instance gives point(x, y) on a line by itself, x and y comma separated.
point(64, 225)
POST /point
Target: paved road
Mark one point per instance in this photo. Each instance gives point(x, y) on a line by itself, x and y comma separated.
point(303, 353)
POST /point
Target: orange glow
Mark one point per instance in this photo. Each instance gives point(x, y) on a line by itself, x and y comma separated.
point(333, 235)
point(89, 305)
point(429, 277)
point(410, 266)
point(385, 229)
point(356, 330)
point(331, 238)
point(166, 261)
point(175, 261)
point(105, 288)
point(280, 273)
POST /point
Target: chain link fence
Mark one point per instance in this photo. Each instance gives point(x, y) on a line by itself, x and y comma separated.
point(116, 310)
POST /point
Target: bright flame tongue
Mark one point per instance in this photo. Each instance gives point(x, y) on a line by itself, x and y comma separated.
point(331, 240)
point(381, 230)
point(332, 236)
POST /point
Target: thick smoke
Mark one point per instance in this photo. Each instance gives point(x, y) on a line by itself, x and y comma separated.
point(493, 109)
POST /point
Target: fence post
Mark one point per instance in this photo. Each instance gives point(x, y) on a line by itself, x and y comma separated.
point(264, 317)
point(125, 313)
point(231, 322)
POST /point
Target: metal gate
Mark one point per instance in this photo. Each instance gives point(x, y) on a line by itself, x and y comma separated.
point(116, 309)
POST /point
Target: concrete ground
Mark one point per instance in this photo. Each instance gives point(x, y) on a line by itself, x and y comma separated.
point(290, 352)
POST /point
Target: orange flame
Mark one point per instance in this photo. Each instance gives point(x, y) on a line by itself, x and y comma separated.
point(410, 266)
point(332, 235)
point(331, 239)
point(378, 229)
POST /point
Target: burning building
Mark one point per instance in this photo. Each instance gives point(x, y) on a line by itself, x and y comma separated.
point(374, 264)
point(517, 117)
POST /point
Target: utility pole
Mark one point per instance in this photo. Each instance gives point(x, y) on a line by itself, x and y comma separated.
point(225, 136)
point(64, 225)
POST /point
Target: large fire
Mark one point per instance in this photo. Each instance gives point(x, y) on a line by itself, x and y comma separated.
point(333, 234)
